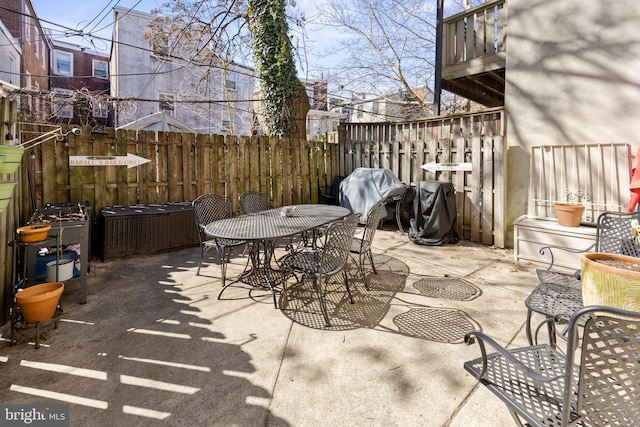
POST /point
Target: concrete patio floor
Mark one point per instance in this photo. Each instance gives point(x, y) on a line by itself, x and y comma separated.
point(154, 346)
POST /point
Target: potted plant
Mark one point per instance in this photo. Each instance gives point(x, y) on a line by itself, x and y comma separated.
point(570, 214)
point(611, 279)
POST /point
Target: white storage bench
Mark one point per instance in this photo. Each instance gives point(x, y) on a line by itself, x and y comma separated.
point(533, 233)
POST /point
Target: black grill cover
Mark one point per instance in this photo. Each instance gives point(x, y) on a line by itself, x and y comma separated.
point(434, 218)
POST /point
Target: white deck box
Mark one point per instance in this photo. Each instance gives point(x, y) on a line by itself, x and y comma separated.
point(533, 233)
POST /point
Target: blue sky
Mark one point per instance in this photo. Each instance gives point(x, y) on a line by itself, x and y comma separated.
point(96, 16)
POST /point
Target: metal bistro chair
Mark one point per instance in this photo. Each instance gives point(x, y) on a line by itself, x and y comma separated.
point(597, 383)
point(319, 264)
point(561, 293)
point(208, 208)
point(330, 195)
point(254, 201)
point(361, 245)
point(402, 204)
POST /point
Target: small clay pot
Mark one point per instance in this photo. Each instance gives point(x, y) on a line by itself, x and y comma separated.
point(568, 215)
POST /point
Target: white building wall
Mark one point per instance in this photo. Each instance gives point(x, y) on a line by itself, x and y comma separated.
point(9, 57)
point(571, 78)
point(138, 73)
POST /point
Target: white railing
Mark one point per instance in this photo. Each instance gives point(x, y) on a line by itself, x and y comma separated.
point(596, 175)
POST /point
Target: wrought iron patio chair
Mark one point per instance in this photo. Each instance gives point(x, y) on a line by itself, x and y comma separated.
point(319, 264)
point(208, 208)
point(560, 293)
point(597, 382)
point(329, 195)
point(254, 201)
point(401, 205)
point(361, 244)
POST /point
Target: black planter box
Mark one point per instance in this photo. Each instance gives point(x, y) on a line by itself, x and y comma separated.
point(147, 229)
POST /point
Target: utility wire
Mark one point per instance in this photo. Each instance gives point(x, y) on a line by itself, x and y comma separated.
point(187, 62)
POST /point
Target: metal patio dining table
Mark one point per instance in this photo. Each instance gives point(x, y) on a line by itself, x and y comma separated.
point(261, 230)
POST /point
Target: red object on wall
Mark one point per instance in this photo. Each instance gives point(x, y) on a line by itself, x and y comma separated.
point(635, 184)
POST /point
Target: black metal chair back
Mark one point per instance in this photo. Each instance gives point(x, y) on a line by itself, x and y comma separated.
point(207, 209)
point(320, 263)
point(618, 233)
point(337, 244)
point(402, 205)
point(254, 201)
point(361, 245)
point(211, 207)
point(330, 195)
point(595, 384)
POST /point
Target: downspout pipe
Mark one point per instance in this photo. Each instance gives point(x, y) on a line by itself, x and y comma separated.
point(437, 87)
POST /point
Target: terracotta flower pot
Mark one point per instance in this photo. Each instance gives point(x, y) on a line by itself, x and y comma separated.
point(568, 215)
point(38, 303)
point(610, 279)
point(33, 233)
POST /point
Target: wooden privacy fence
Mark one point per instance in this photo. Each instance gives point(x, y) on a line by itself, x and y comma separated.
point(452, 143)
point(181, 166)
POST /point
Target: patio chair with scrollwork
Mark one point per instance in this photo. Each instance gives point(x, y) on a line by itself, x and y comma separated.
point(401, 205)
point(208, 208)
point(361, 244)
point(560, 293)
point(254, 201)
point(596, 383)
point(319, 264)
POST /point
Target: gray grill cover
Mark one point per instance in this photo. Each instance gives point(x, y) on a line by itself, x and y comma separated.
point(365, 187)
point(434, 216)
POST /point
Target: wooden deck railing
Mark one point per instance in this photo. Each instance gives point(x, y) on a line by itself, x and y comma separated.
point(475, 40)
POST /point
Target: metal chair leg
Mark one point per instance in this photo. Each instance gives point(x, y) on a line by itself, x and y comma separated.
point(346, 283)
point(398, 221)
point(202, 251)
point(323, 305)
point(373, 266)
point(224, 259)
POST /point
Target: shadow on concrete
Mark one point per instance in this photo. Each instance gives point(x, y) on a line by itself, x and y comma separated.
point(300, 303)
point(139, 352)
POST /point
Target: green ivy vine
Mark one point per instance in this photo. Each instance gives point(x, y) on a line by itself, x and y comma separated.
point(274, 64)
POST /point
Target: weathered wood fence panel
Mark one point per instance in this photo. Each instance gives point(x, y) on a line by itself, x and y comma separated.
point(10, 217)
point(474, 138)
point(181, 166)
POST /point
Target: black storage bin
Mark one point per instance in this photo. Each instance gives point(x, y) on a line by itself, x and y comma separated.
point(147, 229)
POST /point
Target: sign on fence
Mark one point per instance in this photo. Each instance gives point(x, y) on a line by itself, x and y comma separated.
point(433, 166)
point(130, 160)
